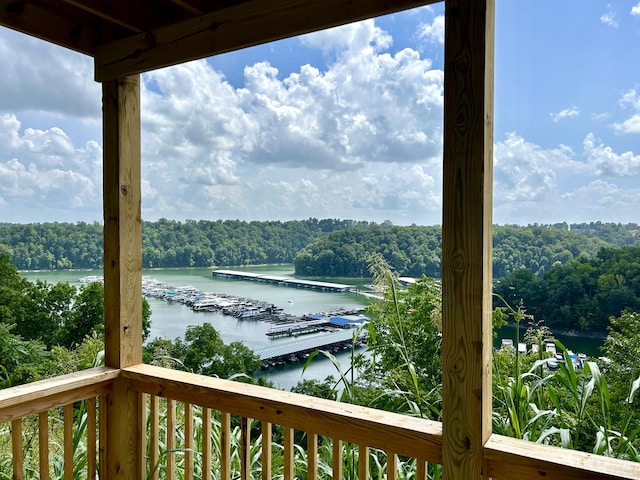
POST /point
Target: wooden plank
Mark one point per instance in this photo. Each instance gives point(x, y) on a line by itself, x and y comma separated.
point(513, 459)
point(363, 462)
point(266, 451)
point(142, 432)
point(171, 439)
point(245, 448)
point(16, 449)
point(92, 429)
point(122, 269)
point(238, 26)
point(421, 469)
point(287, 468)
point(52, 22)
point(102, 436)
point(225, 446)
point(336, 461)
point(206, 444)
point(68, 451)
point(188, 441)
point(312, 456)
point(466, 236)
point(45, 395)
point(43, 444)
point(405, 435)
point(122, 223)
point(392, 466)
point(154, 437)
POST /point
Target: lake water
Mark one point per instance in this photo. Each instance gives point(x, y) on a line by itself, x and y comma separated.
point(169, 320)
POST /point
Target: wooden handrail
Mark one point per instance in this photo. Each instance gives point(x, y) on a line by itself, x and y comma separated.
point(401, 434)
point(44, 395)
point(516, 459)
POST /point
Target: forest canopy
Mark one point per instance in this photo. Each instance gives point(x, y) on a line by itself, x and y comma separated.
point(328, 247)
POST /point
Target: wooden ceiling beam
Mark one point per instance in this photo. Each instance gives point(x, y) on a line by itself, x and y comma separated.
point(239, 26)
point(136, 16)
point(62, 26)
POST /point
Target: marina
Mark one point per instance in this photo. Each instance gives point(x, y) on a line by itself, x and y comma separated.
point(283, 281)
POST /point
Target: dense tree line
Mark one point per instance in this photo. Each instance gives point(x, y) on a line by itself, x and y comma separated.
point(416, 250)
point(411, 251)
point(327, 247)
point(166, 243)
point(581, 294)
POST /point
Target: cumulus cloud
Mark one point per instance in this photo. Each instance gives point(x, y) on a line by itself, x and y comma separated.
point(571, 112)
point(42, 171)
point(433, 31)
point(609, 19)
point(635, 10)
point(629, 101)
point(608, 163)
point(43, 77)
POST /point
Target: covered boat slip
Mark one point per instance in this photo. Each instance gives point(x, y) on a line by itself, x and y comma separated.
point(128, 38)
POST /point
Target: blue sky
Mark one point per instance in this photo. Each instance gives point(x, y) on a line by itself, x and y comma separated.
point(344, 123)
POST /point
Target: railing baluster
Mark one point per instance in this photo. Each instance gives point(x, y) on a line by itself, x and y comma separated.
point(288, 453)
point(102, 435)
point(392, 466)
point(267, 432)
point(206, 443)
point(16, 449)
point(225, 446)
point(188, 441)
point(363, 462)
point(142, 431)
point(245, 449)
point(312, 456)
point(337, 458)
point(154, 434)
point(91, 439)
point(421, 469)
point(68, 442)
point(171, 439)
point(43, 444)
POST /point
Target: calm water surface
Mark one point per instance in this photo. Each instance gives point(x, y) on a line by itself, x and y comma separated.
point(169, 320)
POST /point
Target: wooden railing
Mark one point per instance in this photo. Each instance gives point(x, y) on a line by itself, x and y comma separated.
point(65, 410)
point(197, 425)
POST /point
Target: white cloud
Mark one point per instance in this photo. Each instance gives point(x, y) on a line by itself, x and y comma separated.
point(41, 172)
point(630, 101)
point(434, 31)
point(571, 112)
point(609, 19)
point(39, 76)
point(608, 163)
point(635, 10)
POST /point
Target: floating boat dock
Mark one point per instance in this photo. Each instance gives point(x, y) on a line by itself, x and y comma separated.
point(284, 281)
point(295, 351)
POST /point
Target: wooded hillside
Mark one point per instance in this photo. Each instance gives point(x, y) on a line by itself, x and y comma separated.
point(328, 247)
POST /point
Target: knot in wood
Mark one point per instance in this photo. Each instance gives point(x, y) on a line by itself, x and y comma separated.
point(457, 262)
point(124, 190)
point(466, 441)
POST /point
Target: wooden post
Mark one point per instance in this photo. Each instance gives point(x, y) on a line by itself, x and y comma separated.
point(122, 271)
point(466, 236)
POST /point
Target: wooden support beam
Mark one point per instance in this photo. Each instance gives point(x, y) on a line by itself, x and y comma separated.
point(466, 236)
point(238, 26)
point(122, 270)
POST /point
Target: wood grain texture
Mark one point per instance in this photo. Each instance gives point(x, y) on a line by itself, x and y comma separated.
point(512, 459)
point(466, 236)
point(122, 222)
point(238, 26)
point(267, 447)
point(402, 434)
point(225, 447)
point(122, 270)
point(245, 448)
point(171, 439)
point(68, 449)
point(312, 456)
point(44, 395)
point(206, 444)
point(43, 444)
point(288, 453)
point(16, 449)
point(337, 458)
point(188, 441)
point(154, 437)
point(92, 430)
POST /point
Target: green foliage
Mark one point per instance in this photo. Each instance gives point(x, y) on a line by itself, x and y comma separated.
point(580, 295)
point(203, 351)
